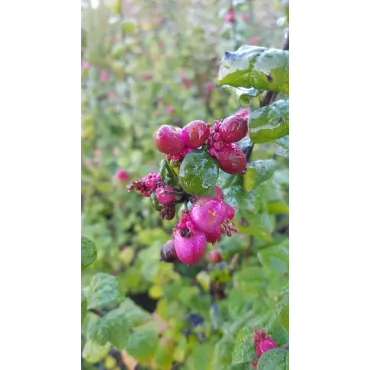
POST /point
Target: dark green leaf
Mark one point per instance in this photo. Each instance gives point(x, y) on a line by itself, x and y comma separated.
point(223, 352)
point(103, 292)
point(274, 359)
point(88, 252)
point(167, 173)
point(154, 201)
point(256, 67)
point(198, 173)
point(83, 306)
point(94, 352)
point(258, 172)
point(142, 344)
point(270, 122)
point(282, 309)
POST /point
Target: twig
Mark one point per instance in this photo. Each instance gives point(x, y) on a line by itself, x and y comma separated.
point(95, 311)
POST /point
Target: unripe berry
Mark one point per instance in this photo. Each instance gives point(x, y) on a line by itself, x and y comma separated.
point(168, 140)
point(231, 159)
point(190, 250)
point(214, 236)
point(195, 134)
point(208, 213)
point(162, 196)
point(233, 128)
point(214, 256)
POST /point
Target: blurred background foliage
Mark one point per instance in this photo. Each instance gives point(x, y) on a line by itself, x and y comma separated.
point(155, 62)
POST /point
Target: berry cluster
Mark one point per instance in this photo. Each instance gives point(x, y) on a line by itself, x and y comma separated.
point(207, 218)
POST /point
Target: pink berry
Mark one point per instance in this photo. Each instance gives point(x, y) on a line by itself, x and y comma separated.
point(147, 76)
point(190, 250)
point(170, 110)
point(245, 113)
point(218, 192)
point(231, 159)
point(168, 140)
point(186, 83)
point(233, 129)
point(104, 77)
point(209, 87)
point(195, 134)
point(230, 212)
point(214, 236)
point(263, 342)
point(208, 213)
point(121, 175)
point(163, 197)
point(214, 256)
point(230, 16)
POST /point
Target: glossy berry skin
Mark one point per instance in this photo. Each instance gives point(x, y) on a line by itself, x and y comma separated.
point(214, 236)
point(208, 213)
point(168, 140)
point(190, 250)
point(231, 159)
point(195, 134)
point(163, 197)
point(233, 129)
point(214, 256)
point(230, 212)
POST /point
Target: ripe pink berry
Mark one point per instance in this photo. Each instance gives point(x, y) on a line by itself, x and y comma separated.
point(170, 110)
point(104, 77)
point(230, 212)
point(231, 159)
point(121, 175)
point(209, 87)
point(233, 129)
point(195, 134)
point(214, 236)
point(163, 197)
point(263, 342)
point(168, 140)
point(214, 256)
point(218, 192)
point(208, 213)
point(85, 65)
point(230, 16)
point(190, 250)
point(245, 113)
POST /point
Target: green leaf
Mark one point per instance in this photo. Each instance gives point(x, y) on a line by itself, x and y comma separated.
point(142, 344)
point(274, 359)
point(167, 173)
point(134, 315)
point(88, 252)
point(269, 123)
point(83, 306)
point(256, 67)
point(258, 172)
point(244, 349)
point(117, 328)
point(259, 225)
point(243, 95)
point(97, 331)
point(94, 352)
point(282, 309)
point(283, 148)
point(154, 201)
point(223, 353)
point(198, 173)
point(228, 247)
point(275, 259)
point(103, 292)
point(164, 354)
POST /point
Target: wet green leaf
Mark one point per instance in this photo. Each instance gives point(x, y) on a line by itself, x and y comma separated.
point(256, 67)
point(198, 173)
point(117, 328)
point(88, 252)
point(269, 123)
point(283, 148)
point(275, 259)
point(142, 344)
point(83, 306)
point(274, 359)
point(167, 173)
point(103, 292)
point(134, 315)
point(282, 309)
point(223, 352)
point(164, 354)
point(244, 350)
point(94, 352)
point(154, 201)
point(258, 172)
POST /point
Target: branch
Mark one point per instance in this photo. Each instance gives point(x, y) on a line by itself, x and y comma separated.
point(96, 312)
